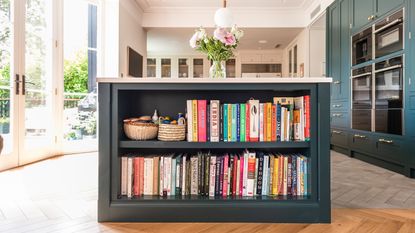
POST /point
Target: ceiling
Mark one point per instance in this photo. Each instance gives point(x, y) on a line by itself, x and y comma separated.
point(176, 40)
point(148, 4)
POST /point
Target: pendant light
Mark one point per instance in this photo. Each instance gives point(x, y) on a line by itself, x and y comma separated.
point(223, 17)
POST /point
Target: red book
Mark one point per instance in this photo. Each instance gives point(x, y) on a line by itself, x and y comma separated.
point(141, 175)
point(136, 187)
point(201, 117)
point(234, 175)
point(307, 117)
point(241, 176)
point(247, 124)
point(225, 175)
point(265, 121)
point(274, 123)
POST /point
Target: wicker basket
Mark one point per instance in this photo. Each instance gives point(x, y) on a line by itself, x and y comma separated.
point(168, 132)
point(140, 131)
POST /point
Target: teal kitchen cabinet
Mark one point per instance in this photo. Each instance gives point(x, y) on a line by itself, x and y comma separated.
point(345, 49)
point(366, 11)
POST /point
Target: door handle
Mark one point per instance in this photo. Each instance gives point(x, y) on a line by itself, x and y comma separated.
point(337, 105)
point(382, 140)
point(359, 136)
point(17, 81)
point(336, 82)
point(23, 84)
point(336, 132)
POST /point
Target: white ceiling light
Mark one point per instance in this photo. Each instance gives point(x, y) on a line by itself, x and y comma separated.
point(223, 17)
point(262, 41)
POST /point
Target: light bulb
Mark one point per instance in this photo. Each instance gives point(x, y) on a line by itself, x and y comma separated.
point(223, 18)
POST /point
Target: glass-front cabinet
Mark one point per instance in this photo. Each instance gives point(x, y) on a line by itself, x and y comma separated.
point(165, 67)
point(151, 67)
point(231, 68)
point(198, 68)
point(183, 68)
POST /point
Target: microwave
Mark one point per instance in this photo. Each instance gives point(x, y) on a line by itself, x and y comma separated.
point(362, 46)
point(388, 34)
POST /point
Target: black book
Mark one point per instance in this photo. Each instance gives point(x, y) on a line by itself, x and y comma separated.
point(217, 175)
point(230, 173)
point(294, 175)
point(289, 175)
point(221, 123)
point(221, 176)
point(202, 175)
point(207, 173)
point(260, 173)
point(199, 173)
point(188, 175)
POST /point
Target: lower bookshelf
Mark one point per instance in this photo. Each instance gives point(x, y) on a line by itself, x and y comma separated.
point(115, 105)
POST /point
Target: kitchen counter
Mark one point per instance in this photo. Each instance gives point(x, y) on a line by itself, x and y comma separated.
point(211, 80)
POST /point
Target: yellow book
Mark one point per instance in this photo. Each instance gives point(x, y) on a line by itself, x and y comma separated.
point(194, 120)
point(275, 177)
point(229, 122)
point(269, 119)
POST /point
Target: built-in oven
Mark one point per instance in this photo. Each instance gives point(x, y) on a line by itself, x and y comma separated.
point(361, 82)
point(362, 46)
point(388, 96)
point(389, 34)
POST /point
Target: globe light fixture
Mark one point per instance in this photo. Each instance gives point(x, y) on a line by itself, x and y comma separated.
point(223, 17)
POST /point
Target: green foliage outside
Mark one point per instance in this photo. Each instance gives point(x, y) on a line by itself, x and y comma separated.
point(76, 74)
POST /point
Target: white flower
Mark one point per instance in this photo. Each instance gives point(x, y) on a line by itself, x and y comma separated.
point(238, 33)
point(201, 34)
point(193, 40)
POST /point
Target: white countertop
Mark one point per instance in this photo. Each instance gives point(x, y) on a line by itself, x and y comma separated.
point(211, 80)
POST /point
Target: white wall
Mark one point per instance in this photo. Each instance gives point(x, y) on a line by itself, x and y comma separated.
point(317, 52)
point(110, 38)
point(302, 53)
point(131, 33)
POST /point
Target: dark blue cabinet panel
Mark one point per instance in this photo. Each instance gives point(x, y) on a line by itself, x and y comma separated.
point(363, 12)
point(334, 49)
point(383, 6)
point(345, 49)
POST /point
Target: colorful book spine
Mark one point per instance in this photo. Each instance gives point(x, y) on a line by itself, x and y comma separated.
point(194, 121)
point(221, 138)
point(268, 120)
point(294, 175)
point(307, 117)
point(273, 123)
point(225, 122)
point(261, 122)
point(212, 172)
point(225, 175)
point(214, 120)
point(260, 174)
point(234, 123)
point(217, 175)
point(141, 161)
point(248, 119)
point(201, 123)
point(265, 180)
point(221, 180)
point(189, 115)
point(254, 120)
point(243, 122)
point(230, 116)
point(278, 109)
point(238, 122)
point(156, 175)
point(250, 175)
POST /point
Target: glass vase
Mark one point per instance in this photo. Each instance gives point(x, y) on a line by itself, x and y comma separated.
point(218, 69)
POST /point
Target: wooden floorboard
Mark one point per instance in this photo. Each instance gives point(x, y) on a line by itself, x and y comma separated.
point(60, 195)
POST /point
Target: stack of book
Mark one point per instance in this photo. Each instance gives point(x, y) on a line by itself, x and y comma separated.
point(286, 119)
point(246, 174)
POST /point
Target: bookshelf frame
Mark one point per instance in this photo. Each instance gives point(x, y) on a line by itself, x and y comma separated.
point(120, 100)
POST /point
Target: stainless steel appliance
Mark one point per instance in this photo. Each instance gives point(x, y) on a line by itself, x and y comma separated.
point(388, 97)
point(362, 98)
point(362, 46)
point(389, 34)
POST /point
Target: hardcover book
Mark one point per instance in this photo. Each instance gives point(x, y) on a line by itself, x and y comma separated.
point(124, 175)
point(212, 172)
point(214, 120)
point(129, 177)
point(189, 116)
point(268, 120)
point(194, 121)
point(201, 115)
point(136, 180)
point(262, 116)
point(225, 122)
point(254, 120)
point(250, 175)
point(243, 122)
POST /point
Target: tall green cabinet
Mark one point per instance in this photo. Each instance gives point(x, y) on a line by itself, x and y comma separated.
point(344, 19)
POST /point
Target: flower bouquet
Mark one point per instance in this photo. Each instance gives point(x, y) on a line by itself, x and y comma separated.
point(218, 47)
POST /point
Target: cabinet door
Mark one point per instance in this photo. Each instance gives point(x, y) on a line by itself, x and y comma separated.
point(334, 49)
point(362, 10)
point(345, 49)
point(383, 6)
point(251, 58)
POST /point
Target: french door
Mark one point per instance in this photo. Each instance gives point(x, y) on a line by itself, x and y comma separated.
point(28, 81)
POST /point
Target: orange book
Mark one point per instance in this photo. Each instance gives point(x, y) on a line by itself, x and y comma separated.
point(274, 123)
point(155, 175)
point(269, 119)
point(136, 187)
point(141, 192)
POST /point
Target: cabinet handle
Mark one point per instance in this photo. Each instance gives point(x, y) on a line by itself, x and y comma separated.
point(382, 140)
point(359, 136)
point(337, 132)
point(369, 18)
point(336, 82)
point(337, 115)
point(337, 105)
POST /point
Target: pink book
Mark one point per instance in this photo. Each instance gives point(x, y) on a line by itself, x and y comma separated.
point(225, 176)
point(201, 117)
point(241, 175)
point(136, 187)
point(141, 192)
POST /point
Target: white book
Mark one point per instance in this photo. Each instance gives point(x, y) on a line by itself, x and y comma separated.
point(194, 175)
point(265, 176)
point(189, 116)
point(167, 169)
point(214, 120)
point(299, 129)
point(173, 177)
point(254, 120)
point(250, 182)
point(178, 175)
point(288, 133)
point(261, 122)
point(238, 175)
point(245, 174)
point(212, 176)
point(184, 175)
point(161, 176)
point(282, 124)
point(148, 176)
point(124, 175)
point(130, 177)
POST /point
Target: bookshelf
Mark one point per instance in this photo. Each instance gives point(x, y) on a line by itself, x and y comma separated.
point(123, 98)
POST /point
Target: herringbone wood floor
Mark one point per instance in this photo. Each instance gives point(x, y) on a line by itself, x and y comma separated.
point(59, 195)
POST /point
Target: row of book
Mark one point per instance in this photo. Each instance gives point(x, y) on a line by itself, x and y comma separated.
point(286, 119)
point(247, 174)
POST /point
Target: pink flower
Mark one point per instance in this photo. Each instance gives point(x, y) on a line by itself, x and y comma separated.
point(220, 34)
point(230, 39)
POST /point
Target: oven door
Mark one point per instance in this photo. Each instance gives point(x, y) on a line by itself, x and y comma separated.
point(389, 35)
point(362, 99)
point(389, 96)
point(362, 47)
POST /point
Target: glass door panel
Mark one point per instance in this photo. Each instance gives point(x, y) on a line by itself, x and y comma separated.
point(198, 68)
point(151, 67)
point(231, 68)
point(8, 97)
point(165, 67)
point(388, 121)
point(389, 89)
point(37, 132)
point(362, 92)
point(183, 67)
